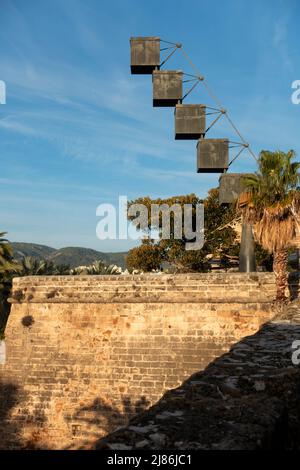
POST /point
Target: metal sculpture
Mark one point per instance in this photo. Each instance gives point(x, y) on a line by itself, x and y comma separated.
point(190, 120)
point(213, 155)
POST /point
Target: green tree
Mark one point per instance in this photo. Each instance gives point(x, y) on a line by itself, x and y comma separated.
point(218, 242)
point(147, 257)
point(97, 268)
point(271, 202)
point(33, 267)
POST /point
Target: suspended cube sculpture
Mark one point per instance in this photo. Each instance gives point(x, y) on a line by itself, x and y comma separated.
point(231, 186)
point(212, 155)
point(190, 121)
point(167, 87)
point(145, 54)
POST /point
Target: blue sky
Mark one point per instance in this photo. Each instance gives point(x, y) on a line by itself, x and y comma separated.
point(78, 130)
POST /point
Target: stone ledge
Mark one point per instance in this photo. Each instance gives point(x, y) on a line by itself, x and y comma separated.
point(148, 288)
point(223, 278)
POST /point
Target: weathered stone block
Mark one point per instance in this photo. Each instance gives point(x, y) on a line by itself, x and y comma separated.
point(145, 54)
point(167, 87)
point(212, 155)
point(231, 186)
point(190, 121)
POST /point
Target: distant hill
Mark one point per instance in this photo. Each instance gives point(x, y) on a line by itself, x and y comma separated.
point(73, 256)
point(31, 249)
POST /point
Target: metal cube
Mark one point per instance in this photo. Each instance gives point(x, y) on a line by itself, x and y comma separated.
point(167, 87)
point(212, 155)
point(145, 54)
point(231, 186)
point(190, 121)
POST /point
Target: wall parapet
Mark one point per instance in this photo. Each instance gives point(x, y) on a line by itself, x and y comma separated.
point(199, 288)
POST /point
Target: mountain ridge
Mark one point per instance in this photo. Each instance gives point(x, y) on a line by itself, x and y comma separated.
point(70, 255)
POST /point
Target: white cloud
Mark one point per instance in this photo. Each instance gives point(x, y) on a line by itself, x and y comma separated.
point(280, 37)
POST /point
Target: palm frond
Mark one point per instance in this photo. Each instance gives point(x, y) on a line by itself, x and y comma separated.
point(271, 200)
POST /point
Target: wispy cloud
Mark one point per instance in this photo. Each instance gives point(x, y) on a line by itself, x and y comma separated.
point(9, 123)
point(280, 40)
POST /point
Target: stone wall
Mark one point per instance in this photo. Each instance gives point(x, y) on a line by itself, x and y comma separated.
point(83, 354)
point(248, 399)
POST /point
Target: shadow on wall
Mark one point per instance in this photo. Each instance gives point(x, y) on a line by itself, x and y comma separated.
point(247, 399)
point(88, 424)
point(9, 432)
point(4, 314)
point(94, 421)
point(11, 429)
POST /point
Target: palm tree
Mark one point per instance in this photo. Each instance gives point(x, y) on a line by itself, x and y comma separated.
point(35, 267)
point(7, 264)
point(8, 267)
point(97, 268)
point(272, 203)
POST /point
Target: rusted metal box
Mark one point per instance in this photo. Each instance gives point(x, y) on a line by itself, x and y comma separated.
point(231, 186)
point(189, 121)
point(145, 54)
point(167, 87)
point(212, 155)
